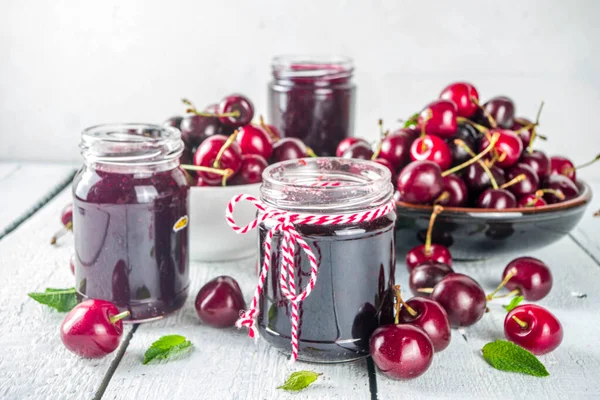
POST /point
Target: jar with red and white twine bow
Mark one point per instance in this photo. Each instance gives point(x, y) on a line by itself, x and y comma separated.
point(327, 255)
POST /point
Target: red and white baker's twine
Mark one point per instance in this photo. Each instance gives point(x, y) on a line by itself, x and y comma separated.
point(291, 237)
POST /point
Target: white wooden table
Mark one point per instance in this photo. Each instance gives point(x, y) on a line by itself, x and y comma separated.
point(225, 364)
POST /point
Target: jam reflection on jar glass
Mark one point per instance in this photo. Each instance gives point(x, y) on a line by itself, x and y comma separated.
point(130, 208)
point(312, 98)
point(356, 260)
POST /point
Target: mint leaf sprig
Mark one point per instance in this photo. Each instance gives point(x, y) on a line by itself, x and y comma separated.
point(167, 347)
point(62, 300)
point(299, 380)
point(507, 356)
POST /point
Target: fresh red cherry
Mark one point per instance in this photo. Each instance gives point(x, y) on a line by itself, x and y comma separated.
point(420, 182)
point(66, 218)
point(529, 182)
point(218, 152)
point(534, 328)
point(502, 110)
point(93, 328)
point(239, 108)
point(196, 128)
point(346, 143)
point(477, 179)
point(431, 317)
point(427, 275)
point(250, 171)
point(428, 252)
point(528, 277)
point(563, 166)
point(359, 150)
point(253, 139)
point(462, 298)
point(219, 302)
point(562, 184)
point(439, 118)
point(401, 351)
point(174, 122)
point(532, 200)
point(288, 148)
point(508, 147)
point(462, 94)
point(395, 148)
point(523, 128)
point(538, 161)
point(201, 182)
point(431, 148)
point(456, 190)
point(497, 199)
point(470, 137)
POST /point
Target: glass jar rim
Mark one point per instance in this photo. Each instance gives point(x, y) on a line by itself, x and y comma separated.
point(326, 185)
point(131, 144)
point(312, 66)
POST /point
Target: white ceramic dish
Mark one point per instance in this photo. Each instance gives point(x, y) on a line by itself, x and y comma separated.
point(211, 238)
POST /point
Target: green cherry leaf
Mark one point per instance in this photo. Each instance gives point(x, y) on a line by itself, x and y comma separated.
point(507, 356)
point(299, 380)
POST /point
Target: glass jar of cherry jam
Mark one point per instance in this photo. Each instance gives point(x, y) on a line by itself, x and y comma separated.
point(130, 208)
point(356, 261)
point(312, 99)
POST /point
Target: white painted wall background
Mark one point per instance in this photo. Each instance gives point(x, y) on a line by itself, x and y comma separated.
point(65, 65)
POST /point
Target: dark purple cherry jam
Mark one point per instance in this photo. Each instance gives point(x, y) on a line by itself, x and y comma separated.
point(356, 271)
point(128, 250)
point(313, 101)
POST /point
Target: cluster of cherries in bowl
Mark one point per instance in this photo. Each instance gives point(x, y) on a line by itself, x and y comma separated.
point(403, 348)
point(224, 147)
point(459, 153)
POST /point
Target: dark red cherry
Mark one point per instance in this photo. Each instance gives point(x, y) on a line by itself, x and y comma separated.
point(427, 275)
point(196, 128)
point(462, 94)
point(401, 351)
point(508, 147)
point(502, 110)
point(462, 298)
point(219, 302)
point(253, 139)
point(420, 182)
point(201, 182)
point(534, 328)
point(439, 118)
point(174, 122)
point(469, 135)
point(93, 328)
point(250, 171)
point(563, 166)
point(395, 148)
point(561, 184)
point(431, 317)
point(538, 161)
point(531, 200)
point(529, 277)
point(497, 199)
point(359, 150)
point(524, 129)
point(66, 218)
point(288, 148)
point(529, 185)
point(477, 179)
point(429, 251)
point(346, 143)
point(431, 148)
point(208, 154)
point(455, 187)
point(238, 105)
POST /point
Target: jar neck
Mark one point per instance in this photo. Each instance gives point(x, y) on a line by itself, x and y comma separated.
point(135, 169)
point(312, 70)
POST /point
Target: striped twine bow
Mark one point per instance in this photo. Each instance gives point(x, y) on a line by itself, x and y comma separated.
point(286, 222)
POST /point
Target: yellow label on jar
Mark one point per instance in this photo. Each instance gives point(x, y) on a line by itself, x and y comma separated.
point(181, 223)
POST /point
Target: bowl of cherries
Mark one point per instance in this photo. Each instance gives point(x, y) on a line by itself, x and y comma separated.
point(477, 160)
point(225, 155)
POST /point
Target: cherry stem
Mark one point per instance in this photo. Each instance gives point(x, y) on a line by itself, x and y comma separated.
point(427, 118)
point(382, 135)
point(193, 110)
point(425, 290)
point(514, 181)
point(400, 301)
point(442, 197)
point(480, 128)
point(113, 320)
point(274, 137)
point(68, 227)
point(507, 278)
point(226, 145)
point(521, 323)
point(310, 152)
point(493, 141)
point(509, 294)
point(437, 209)
point(572, 169)
point(557, 193)
point(222, 172)
point(483, 165)
point(489, 117)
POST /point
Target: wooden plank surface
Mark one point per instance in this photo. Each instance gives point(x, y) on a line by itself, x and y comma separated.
point(24, 186)
point(33, 363)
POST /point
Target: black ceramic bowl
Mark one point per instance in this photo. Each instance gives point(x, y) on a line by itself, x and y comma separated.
point(476, 234)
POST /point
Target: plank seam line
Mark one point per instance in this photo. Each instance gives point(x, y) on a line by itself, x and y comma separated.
point(585, 250)
point(114, 364)
point(47, 198)
point(372, 378)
